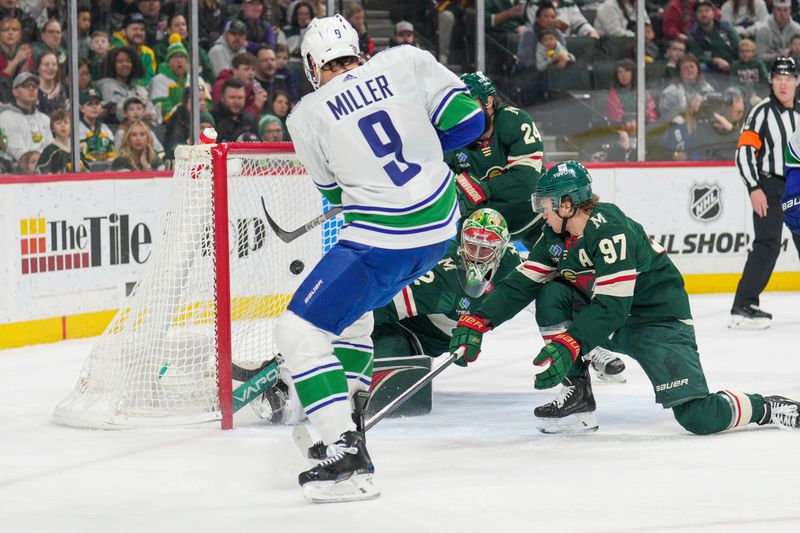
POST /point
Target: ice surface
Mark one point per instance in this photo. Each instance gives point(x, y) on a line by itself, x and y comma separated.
point(476, 463)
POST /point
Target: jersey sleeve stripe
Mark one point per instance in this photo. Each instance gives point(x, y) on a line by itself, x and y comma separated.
point(533, 155)
point(617, 277)
point(537, 272)
point(446, 100)
point(408, 300)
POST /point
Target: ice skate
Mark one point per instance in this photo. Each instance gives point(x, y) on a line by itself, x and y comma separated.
point(607, 366)
point(782, 412)
point(318, 450)
point(346, 475)
point(749, 317)
point(573, 411)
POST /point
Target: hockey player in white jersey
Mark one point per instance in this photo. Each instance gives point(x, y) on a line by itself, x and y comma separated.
point(372, 137)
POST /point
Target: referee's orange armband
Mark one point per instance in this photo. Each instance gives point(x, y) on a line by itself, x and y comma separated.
point(749, 138)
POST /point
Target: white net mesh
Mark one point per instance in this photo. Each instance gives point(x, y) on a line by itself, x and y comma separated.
point(156, 363)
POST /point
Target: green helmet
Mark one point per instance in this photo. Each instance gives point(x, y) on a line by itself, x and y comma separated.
point(479, 85)
point(484, 238)
point(569, 178)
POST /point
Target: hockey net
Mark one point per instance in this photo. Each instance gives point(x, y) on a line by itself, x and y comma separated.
point(211, 292)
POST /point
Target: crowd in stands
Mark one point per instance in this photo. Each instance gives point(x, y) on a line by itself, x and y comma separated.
point(707, 62)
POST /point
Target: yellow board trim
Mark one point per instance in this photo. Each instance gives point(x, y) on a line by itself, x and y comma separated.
point(92, 324)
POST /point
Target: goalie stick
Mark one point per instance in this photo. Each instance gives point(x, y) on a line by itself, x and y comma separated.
point(302, 437)
point(256, 382)
point(289, 236)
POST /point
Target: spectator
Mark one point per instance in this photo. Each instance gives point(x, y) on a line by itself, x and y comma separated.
point(15, 56)
point(616, 18)
point(167, 88)
point(773, 38)
point(50, 41)
point(137, 152)
point(676, 49)
point(280, 107)
point(715, 44)
point(52, 91)
point(27, 162)
point(211, 20)
point(123, 74)
point(230, 43)
point(98, 50)
point(244, 71)
point(356, 16)
point(403, 34)
point(11, 9)
point(675, 96)
point(56, 157)
point(155, 23)
point(545, 20)
point(259, 31)
point(6, 165)
point(84, 30)
point(651, 49)
point(179, 126)
point(271, 129)
point(27, 129)
point(570, 19)
point(97, 141)
point(750, 74)
point(134, 109)
point(299, 15)
point(681, 128)
point(718, 127)
point(505, 21)
point(284, 73)
point(84, 77)
point(794, 48)
point(231, 120)
point(621, 100)
point(266, 71)
point(177, 24)
point(550, 53)
point(133, 35)
point(746, 16)
point(678, 19)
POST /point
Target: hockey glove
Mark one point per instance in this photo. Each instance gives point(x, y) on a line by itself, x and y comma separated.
point(470, 193)
point(469, 334)
point(560, 352)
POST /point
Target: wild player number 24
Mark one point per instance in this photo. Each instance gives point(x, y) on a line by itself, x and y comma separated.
point(368, 126)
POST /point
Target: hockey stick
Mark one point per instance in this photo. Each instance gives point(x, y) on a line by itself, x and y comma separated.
point(409, 392)
point(255, 382)
point(289, 236)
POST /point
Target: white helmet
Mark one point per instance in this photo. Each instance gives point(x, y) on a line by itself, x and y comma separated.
point(327, 39)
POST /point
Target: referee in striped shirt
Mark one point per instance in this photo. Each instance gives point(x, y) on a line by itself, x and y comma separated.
point(759, 157)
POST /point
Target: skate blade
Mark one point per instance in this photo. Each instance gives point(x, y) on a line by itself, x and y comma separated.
point(609, 378)
point(749, 324)
point(577, 423)
point(359, 487)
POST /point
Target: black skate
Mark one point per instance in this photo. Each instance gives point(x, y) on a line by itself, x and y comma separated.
point(607, 366)
point(573, 411)
point(318, 450)
point(782, 412)
point(749, 317)
point(346, 475)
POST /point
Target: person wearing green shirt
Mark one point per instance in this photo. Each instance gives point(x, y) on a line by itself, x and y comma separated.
point(634, 292)
point(500, 169)
point(133, 34)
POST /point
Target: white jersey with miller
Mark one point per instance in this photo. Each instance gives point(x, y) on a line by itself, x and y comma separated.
point(367, 139)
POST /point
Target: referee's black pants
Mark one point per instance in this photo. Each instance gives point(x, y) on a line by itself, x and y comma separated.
point(766, 245)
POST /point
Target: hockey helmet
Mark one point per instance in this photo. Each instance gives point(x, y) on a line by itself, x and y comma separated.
point(786, 66)
point(569, 178)
point(327, 39)
point(484, 239)
point(479, 85)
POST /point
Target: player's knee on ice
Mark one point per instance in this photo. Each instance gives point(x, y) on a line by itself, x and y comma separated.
point(704, 416)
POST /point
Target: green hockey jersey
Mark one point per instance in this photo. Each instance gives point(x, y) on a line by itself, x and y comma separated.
point(628, 277)
point(509, 165)
point(431, 306)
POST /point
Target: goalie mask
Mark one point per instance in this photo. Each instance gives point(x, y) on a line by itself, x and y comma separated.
point(484, 238)
point(327, 39)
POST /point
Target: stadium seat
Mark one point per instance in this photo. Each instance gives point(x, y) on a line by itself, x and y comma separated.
point(583, 48)
point(603, 73)
point(617, 47)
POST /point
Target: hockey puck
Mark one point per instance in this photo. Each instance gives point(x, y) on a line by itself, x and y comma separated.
point(296, 267)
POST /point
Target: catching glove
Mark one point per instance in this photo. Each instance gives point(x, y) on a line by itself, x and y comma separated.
point(469, 334)
point(561, 352)
point(470, 193)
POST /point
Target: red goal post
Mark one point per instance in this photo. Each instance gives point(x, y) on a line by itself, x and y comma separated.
point(210, 294)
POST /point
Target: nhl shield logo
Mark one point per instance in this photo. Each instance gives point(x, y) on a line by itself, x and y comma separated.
point(706, 202)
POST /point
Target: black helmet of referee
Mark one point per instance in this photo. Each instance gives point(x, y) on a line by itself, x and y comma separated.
point(786, 66)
